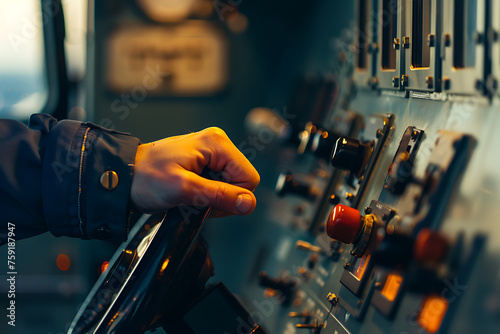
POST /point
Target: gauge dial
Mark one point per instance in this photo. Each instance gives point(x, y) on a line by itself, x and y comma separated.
point(188, 59)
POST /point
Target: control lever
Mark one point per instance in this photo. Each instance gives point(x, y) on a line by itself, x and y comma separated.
point(304, 245)
point(400, 173)
point(161, 267)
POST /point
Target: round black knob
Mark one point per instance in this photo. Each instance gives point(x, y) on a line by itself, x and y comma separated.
point(323, 142)
point(350, 154)
point(287, 184)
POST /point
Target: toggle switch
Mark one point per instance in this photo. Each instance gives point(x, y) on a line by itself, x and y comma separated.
point(304, 314)
point(304, 245)
point(286, 184)
point(351, 154)
point(315, 326)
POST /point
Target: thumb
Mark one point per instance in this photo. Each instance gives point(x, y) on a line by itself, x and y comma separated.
point(220, 196)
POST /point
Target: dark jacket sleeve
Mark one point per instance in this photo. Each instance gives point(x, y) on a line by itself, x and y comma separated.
point(69, 178)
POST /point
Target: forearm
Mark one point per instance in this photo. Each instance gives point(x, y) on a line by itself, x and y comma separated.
point(50, 178)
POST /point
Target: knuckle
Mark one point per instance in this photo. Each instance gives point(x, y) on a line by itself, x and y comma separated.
point(220, 196)
point(216, 132)
point(182, 186)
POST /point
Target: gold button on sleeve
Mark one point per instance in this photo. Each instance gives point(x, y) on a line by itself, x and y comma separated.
point(109, 180)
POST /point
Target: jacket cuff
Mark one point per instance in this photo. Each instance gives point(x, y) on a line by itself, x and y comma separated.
point(87, 176)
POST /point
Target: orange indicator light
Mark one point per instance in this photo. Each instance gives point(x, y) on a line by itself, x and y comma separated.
point(432, 313)
point(391, 286)
point(104, 266)
point(360, 266)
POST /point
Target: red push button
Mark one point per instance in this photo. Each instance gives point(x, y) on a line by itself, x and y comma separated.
point(343, 224)
point(430, 247)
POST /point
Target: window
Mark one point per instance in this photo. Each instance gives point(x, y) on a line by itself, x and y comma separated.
point(23, 84)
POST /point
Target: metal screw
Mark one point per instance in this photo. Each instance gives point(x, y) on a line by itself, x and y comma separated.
point(447, 39)
point(347, 265)
point(404, 80)
point(368, 210)
point(431, 40)
point(446, 83)
point(492, 35)
point(372, 82)
point(479, 84)
point(478, 37)
point(395, 44)
point(406, 42)
point(429, 80)
point(395, 82)
point(491, 84)
point(372, 47)
point(349, 196)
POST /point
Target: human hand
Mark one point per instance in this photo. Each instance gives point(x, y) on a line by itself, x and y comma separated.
point(167, 174)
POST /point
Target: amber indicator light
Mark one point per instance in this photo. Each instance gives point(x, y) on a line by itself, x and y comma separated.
point(432, 313)
point(360, 266)
point(104, 266)
point(63, 262)
point(391, 286)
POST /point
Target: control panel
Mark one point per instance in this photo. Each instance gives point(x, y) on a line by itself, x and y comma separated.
point(373, 227)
